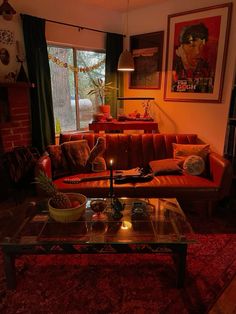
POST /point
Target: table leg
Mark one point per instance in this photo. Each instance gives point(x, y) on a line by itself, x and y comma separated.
point(181, 265)
point(10, 271)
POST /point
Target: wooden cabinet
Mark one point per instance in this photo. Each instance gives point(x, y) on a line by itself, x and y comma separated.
point(230, 140)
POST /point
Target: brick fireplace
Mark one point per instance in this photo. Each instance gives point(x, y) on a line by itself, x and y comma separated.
point(15, 125)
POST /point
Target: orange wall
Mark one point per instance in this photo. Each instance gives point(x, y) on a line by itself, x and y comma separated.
point(209, 120)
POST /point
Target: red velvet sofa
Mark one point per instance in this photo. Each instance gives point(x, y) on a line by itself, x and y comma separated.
point(137, 150)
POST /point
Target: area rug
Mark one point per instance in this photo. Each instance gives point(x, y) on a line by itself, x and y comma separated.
point(122, 284)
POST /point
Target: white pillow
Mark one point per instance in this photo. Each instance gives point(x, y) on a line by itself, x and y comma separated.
point(194, 165)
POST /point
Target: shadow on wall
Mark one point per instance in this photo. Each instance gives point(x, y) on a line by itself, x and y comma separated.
point(163, 119)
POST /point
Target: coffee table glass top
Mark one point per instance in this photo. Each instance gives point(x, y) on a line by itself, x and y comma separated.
point(144, 221)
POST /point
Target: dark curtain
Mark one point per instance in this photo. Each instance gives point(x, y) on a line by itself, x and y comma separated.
point(43, 130)
point(114, 47)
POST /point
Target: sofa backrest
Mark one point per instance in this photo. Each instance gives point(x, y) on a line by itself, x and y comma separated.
point(134, 150)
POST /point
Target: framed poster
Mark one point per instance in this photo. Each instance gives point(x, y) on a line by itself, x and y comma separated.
point(196, 54)
point(147, 50)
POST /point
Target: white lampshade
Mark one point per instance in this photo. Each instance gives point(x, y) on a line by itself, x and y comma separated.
point(126, 61)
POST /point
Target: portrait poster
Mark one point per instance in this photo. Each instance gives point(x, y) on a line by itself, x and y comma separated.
point(196, 54)
point(147, 51)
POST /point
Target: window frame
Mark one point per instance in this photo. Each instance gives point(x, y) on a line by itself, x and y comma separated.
point(76, 79)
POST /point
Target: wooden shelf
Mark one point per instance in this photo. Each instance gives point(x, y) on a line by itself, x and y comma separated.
point(146, 126)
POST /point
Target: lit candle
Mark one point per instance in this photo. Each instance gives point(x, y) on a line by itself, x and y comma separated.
point(111, 178)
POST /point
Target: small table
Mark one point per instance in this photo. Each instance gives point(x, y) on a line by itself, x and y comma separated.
point(146, 126)
point(163, 229)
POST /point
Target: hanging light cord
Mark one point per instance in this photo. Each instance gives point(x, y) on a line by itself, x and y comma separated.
point(127, 18)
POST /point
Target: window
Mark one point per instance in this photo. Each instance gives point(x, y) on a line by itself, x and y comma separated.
point(72, 74)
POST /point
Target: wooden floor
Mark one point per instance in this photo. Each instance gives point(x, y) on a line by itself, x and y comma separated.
point(226, 303)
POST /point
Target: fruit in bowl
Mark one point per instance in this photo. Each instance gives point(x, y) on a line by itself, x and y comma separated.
point(63, 207)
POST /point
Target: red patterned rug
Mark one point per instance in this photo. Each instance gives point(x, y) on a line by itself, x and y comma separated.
point(122, 284)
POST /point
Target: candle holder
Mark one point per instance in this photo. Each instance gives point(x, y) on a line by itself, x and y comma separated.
point(111, 189)
point(117, 207)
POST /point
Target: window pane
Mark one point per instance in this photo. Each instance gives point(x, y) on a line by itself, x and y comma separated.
point(94, 65)
point(63, 92)
point(74, 108)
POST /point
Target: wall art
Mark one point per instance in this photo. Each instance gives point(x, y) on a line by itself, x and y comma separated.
point(196, 52)
point(147, 50)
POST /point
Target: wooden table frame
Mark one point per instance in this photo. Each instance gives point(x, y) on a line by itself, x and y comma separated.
point(177, 250)
point(146, 126)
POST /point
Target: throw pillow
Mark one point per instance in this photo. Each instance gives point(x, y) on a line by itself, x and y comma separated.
point(99, 164)
point(194, 165)
point(58, 160)
point(77, 154)
point(165, 166)
point(181, 151)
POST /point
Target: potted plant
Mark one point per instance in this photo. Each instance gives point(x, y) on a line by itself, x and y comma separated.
point(102, 90)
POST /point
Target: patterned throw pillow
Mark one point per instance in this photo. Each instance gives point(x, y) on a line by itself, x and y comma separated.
point(194, 165)
point(59, 164)
point(77, 154)
point(181, 151)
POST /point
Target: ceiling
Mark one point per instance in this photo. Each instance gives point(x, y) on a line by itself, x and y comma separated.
point(121, 5)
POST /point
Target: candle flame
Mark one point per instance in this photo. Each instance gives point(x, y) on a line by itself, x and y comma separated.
point(111, 162)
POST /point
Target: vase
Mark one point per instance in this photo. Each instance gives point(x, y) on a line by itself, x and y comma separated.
point(106, 110)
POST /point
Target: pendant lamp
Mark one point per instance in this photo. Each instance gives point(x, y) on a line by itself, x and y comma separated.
point(126, 61)
point(6, 10)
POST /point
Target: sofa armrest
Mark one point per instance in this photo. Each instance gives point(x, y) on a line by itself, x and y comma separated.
point(44, 164)
point(221, 173)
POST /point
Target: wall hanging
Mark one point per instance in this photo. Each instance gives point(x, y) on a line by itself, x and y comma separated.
point(196, 54)
point(147, 50)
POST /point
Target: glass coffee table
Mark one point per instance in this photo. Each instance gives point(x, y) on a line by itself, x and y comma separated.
point(156, 226)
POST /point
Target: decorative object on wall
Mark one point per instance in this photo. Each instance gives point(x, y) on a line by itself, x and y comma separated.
point(126, 61)
point(7, 56)
point(6, 10)
point(196, 54)
point(147, 50)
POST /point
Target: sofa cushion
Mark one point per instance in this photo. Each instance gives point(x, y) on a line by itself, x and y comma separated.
point(165, 166)
point(77, 154)
point(194, 165)
point(59, 163)
point(182, 151)
point(98, 165)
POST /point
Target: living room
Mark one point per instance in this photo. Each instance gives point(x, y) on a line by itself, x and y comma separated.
point(210, 119)
point(84, 24)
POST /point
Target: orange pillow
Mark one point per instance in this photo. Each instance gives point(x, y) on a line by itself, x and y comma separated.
point(165, 166)
point(182, 151)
